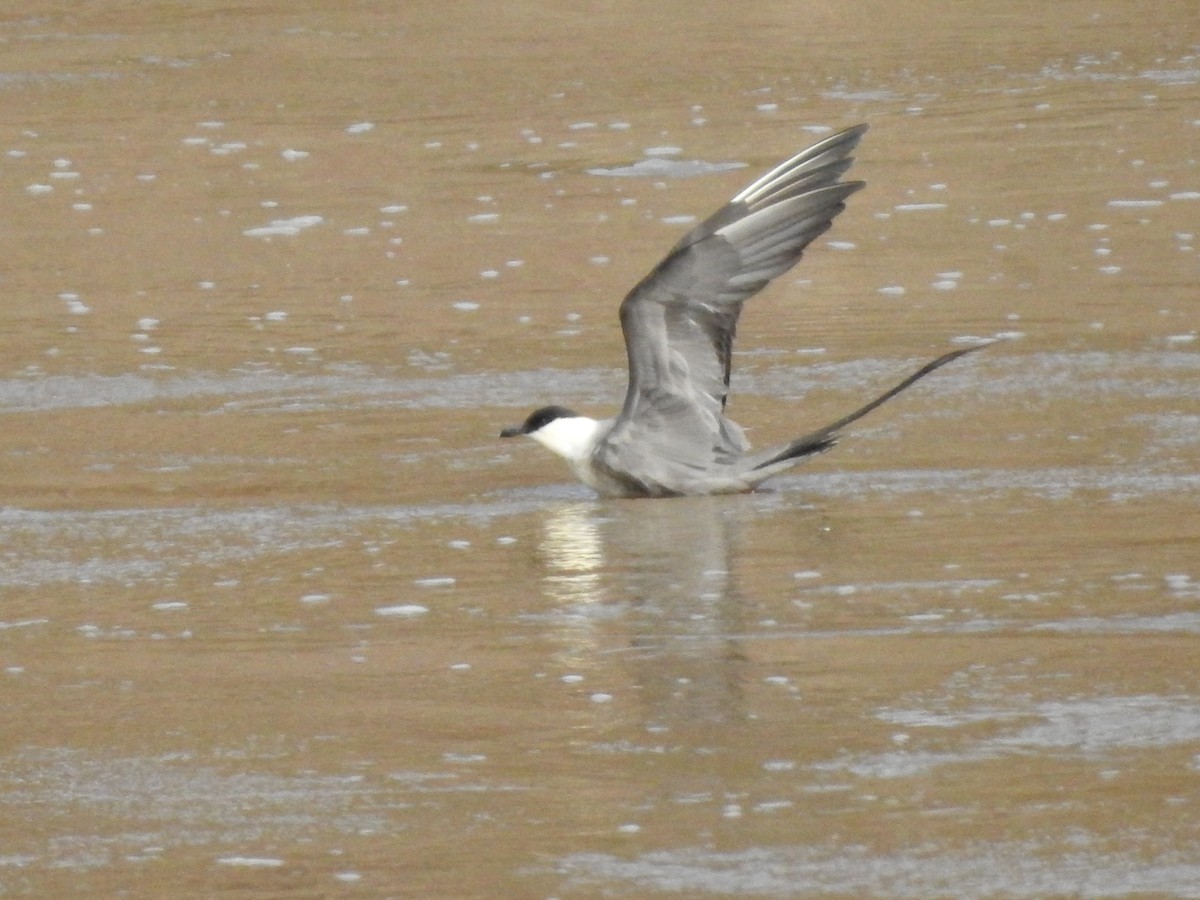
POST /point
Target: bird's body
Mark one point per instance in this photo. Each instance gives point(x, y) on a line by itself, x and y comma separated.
point(672, 436)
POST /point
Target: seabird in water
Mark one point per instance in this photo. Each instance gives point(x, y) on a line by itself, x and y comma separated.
point(672, 437)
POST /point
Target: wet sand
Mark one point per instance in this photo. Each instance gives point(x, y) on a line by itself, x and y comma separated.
point(281, 617)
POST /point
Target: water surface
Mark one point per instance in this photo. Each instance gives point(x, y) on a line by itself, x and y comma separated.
point(281, 617)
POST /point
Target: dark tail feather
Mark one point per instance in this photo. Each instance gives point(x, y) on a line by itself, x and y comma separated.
point(824, 438)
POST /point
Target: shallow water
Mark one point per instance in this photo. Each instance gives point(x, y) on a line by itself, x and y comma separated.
point(281, 617)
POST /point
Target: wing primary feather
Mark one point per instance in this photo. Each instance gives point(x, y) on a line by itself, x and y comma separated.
point(832, 149)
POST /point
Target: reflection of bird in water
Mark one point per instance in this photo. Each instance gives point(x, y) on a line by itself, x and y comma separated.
point(674, 602)
point(671, 436)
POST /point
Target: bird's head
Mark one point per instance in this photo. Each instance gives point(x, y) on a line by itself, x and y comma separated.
point(559, 429)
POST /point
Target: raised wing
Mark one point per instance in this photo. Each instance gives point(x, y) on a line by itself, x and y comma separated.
point(679, 321)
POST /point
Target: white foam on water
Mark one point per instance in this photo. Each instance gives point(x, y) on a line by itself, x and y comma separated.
point(402, 610)
point(251, 862)
point(284, 227)
point(436, 581)
point(658, 167)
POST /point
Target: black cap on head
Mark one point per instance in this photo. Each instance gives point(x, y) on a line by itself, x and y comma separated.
point(539, 418)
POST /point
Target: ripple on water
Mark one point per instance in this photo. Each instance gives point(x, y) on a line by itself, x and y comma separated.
point(171, 801)
point(1167, 374)
point(1087, 866)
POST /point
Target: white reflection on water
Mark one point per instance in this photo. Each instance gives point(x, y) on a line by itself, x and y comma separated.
point(574, 554)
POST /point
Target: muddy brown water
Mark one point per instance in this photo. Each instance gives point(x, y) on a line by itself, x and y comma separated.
point(281, 617)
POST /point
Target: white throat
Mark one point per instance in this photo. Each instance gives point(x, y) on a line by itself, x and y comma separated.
point(571, 437)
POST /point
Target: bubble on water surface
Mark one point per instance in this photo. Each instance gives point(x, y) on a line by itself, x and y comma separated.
point(75, 306)
point(360, 128)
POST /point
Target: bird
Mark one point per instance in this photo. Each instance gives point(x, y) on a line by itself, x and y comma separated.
point(671, 437)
